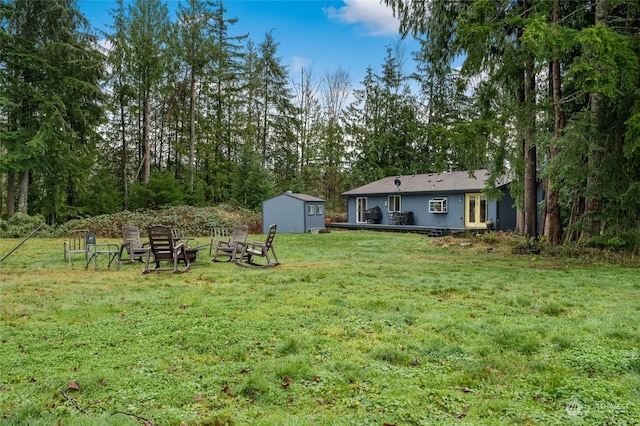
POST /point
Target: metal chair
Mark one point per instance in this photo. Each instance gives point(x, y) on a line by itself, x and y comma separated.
point(76, 244)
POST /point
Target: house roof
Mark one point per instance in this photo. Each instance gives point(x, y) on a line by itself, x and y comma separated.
point(431, 182)
point(303, 197)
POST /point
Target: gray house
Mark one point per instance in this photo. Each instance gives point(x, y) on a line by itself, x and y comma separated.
point(451, 201)
point(293, 213)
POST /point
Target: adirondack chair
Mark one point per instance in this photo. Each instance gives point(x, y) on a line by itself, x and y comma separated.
point(94, 250)
point(218, 234)
point(232, 247)
point(180, 237)
point(259, 249)
point(191, 243)
point(131, 242)
point(77, 243)
point(164, 249)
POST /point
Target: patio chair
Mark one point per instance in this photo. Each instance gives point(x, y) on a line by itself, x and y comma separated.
point(164, 249)
point(232, 247)
point(94, 250)
point(180, 237)
point(259, 249)
point(76, 244)
point(131, 242)
point(218, 234)
point(191, 243)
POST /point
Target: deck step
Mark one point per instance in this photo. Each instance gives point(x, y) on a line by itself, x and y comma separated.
point(436, 232)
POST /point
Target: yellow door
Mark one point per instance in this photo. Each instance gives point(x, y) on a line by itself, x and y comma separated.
point(361, 207)
point(475, 211)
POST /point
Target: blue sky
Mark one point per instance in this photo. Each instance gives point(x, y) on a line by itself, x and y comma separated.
point(325, 35)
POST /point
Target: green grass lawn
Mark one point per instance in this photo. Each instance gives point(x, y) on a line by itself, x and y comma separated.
point(353, 328)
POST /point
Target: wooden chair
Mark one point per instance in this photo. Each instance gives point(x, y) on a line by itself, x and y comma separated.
point(218, 234)
point(77, 243)
point(164, 249)
point(131, 242)
point(94, 250)
point(232, 247)
point(259, 249)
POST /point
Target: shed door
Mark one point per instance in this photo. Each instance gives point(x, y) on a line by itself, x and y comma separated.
point(361, 206)
point(475, 211)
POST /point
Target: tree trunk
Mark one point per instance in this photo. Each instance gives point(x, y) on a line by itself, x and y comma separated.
point(552, 221)
point(577, 210)
point(530, 166)
point(123, 136)
point(23, 192)
point(11, 194)
point(520, 102)
point(591, 225)
point(192, 129)
point(146, 136)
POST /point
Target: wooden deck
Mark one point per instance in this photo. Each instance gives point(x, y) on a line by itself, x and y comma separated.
point(430, 231)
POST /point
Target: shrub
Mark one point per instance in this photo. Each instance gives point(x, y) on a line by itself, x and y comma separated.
point(629, 241)
point(193, 221)
point(21, 225)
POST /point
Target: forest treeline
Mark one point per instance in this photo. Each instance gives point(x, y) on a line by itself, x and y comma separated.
point(165, 109)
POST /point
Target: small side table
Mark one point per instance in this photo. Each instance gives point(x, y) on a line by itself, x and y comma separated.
point(111, 250)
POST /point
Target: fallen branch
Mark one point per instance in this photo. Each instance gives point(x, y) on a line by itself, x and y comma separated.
point(73, 401)
point(22, 242)
point(142, 419)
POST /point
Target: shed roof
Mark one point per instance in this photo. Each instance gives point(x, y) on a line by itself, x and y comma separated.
point(303, 197)
point(431, 182)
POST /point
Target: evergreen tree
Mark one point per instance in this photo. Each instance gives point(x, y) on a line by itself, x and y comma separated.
point(276, 136)
point(585, 120)
point(50, 69)
point(120, 117)
point(225, 121)
point(331, 154)
point(251, 182)
point(383, 124)
point(146, 29)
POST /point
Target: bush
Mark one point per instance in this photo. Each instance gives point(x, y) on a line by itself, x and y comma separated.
point(21, 225)
point(193, 221)
point(629, 241)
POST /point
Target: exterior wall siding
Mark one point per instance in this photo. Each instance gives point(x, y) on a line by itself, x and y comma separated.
point(286, 212)
point(506, 215)
point(313, 221)
point(291, 214)
point(419, 205)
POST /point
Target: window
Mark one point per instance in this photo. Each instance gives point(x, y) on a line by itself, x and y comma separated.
point(438, 205)
point(319, 209)
point(394, 203)
point(311, 209)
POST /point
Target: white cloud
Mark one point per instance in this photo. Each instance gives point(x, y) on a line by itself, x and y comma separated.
point(299, 62)
point(377, 18)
